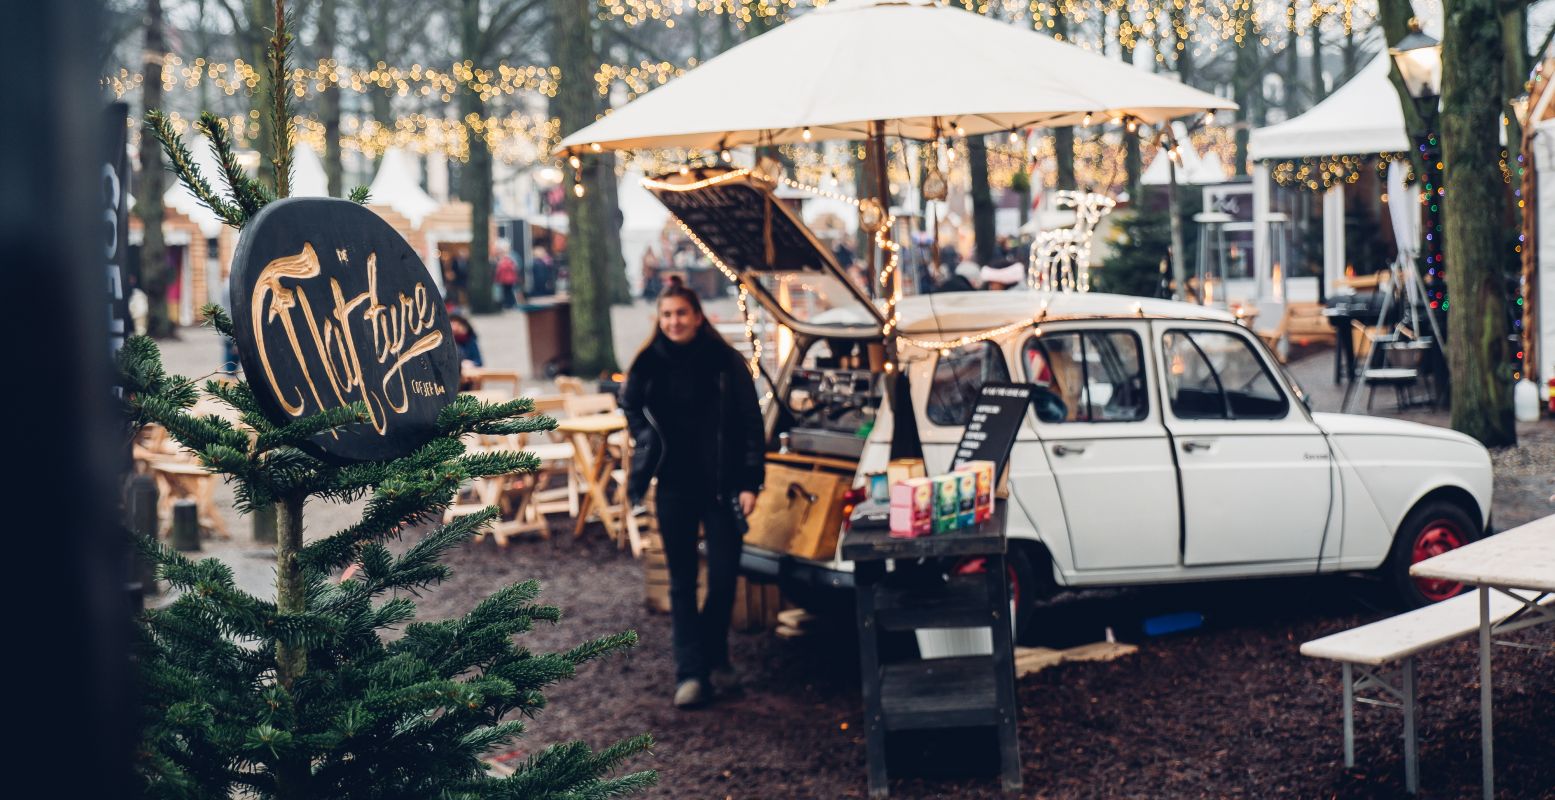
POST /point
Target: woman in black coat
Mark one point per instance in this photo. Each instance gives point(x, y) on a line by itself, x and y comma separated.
point(691, 406)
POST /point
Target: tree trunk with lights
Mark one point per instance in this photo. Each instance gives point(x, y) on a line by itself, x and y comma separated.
point(1319, 88)
point(1133, 164)
point(1476, 250)
point(985, 242)
point(154, 272)
point(1292, 62)
point(476, 180)
point(1063, 138)
point(593, 351)
point(329, 101)
point(1183, 43)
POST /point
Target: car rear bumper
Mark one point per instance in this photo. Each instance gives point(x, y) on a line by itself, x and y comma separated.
point(767, 567)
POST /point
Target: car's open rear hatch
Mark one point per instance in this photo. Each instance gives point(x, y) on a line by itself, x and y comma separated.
point(778, 259)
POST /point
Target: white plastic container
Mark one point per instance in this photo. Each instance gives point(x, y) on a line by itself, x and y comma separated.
point(1525, 401)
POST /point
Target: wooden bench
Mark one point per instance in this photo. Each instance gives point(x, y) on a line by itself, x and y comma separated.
point(1366, 653)
point(1302, 324)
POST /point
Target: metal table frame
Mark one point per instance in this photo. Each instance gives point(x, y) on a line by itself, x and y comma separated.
point(1520, 564)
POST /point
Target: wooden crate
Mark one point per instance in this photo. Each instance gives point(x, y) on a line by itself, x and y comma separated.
point(800, 512)
point(756, 605)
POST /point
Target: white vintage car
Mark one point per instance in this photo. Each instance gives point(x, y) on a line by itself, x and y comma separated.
point(1165, 444)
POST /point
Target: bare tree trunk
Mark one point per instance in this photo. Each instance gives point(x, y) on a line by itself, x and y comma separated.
point(154, 272)
point(329, 101)
point(291, 662)
point(1475, 248)
point(593, 351)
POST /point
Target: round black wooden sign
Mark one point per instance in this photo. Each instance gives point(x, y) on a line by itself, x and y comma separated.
point(331, 306)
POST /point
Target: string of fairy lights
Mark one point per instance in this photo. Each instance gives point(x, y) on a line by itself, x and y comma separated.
point(1199, 27)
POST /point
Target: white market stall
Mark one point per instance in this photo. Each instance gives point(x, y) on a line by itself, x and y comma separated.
point(1362, 117)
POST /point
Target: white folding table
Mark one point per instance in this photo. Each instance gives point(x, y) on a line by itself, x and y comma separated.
point(1520, 564)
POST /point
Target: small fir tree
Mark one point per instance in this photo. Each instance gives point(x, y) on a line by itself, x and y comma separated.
point(313, 695)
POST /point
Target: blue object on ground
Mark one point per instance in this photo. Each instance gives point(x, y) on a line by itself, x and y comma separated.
point(1173, 623)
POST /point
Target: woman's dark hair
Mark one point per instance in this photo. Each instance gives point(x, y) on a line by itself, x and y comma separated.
point(452, 318)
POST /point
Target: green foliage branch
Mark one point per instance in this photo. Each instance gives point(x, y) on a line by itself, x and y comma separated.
point(373, 715)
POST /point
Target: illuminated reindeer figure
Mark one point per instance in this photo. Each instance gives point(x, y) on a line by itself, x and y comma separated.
point(1061, 258)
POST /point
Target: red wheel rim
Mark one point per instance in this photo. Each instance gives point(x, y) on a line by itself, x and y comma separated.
point(979, 565)
point(1437, 537)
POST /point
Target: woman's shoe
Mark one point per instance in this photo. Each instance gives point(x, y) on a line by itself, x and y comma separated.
point(690, 694)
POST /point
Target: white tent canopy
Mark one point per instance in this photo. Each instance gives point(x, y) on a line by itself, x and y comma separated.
point(1363, 116)
point(179, 198)
point(398, 186)
point(308, 178)
point(922, 68)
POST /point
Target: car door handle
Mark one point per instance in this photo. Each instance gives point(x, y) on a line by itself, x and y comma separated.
point(1065, 450)
point(1191, 447)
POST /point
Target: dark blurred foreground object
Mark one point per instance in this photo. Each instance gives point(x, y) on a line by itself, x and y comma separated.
point(72, 610)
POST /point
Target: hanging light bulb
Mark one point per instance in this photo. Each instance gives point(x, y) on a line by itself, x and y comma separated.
point(724, 154)
point(805, 134)
point(577, 189)
point(1086, 121)
point(595, 147)
point(574, 161)
point(960, 131)
point(684, 169)
point(1013, 137)
point(1133, 125)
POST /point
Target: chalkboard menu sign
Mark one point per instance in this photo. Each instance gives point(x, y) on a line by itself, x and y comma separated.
point(996, 420)
point(734, 215)
point(331, 306)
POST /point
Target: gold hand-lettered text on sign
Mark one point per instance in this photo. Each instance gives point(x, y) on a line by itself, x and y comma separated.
point(401, 330)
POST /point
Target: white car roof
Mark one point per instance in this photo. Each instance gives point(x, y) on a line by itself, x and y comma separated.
point(982, 310)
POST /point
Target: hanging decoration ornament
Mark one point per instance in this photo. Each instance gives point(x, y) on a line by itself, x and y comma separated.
point(871, 215)
point(935, 186)
point(1061, 258)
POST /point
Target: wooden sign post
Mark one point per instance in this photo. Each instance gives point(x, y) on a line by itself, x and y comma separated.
point(331, 307)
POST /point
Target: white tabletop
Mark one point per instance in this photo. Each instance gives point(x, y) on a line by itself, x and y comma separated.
point(1521, 558)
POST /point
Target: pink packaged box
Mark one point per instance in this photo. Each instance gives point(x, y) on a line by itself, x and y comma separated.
point(912, 508)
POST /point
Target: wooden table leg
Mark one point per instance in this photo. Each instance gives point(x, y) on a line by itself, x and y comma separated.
point(595, 476)
point(866, 575)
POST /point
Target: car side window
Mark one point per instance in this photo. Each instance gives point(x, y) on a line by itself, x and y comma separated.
point(1087, 376)
point(1217, 375)
point(958, 376)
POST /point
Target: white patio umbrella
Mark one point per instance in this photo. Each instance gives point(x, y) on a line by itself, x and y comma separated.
point(922, 69)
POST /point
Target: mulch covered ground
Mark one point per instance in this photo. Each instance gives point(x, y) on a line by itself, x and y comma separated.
point(1226, 710)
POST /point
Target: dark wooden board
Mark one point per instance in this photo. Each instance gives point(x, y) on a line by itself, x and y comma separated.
point(873, 545)
point(732, 218)
point(996, 421)
point(939, 693)
point(332, 306)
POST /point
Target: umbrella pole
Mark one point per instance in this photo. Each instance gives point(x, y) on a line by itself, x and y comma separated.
point(883, 193)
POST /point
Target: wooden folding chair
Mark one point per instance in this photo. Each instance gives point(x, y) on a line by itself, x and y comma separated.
point(567, 384)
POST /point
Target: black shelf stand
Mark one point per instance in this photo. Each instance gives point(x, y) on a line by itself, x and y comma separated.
point(944, 692)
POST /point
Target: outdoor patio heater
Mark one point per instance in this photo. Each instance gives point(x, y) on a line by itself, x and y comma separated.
point(1210, 275)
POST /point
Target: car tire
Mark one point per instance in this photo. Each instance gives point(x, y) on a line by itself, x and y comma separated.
point(1027, 585)
point(1430, 529)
